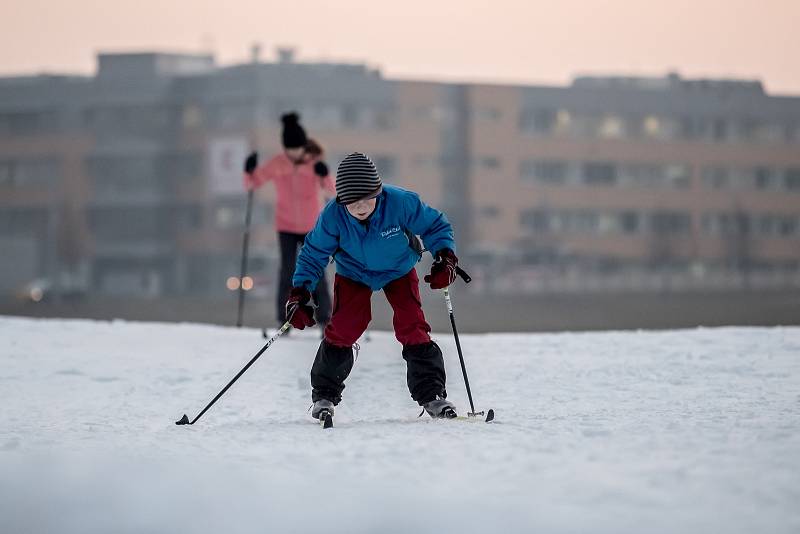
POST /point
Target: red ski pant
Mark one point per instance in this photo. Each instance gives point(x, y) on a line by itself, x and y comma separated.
point(352, 311)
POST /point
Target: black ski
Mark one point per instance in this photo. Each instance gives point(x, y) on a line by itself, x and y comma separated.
point(488, 419)
point(449, 413)
point(326, 419)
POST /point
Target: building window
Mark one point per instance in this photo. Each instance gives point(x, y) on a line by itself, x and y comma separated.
point(612, 127)
point(434, 113)
point(188, 217)
point(140, 119)
point(792, 179)
point(182, 165)
point(6, 174)
point(490, 212)
point(677, 175)
point(323, 116)
point(125, 177)
point(777, 225)
point(192, 116)
point(113, 224)
point(489, 163)
point(719, 129)
point(584, 222)
point(788, 226)
point(653, 175)
point(227, 217)
point(729, 224)
point(768, 132)
point(537, 220)
point(604, 174)
point(792, 133)
point(357, 117)
point(629, 222)
point(230, 214)
point(716, 177)
point(350, 116)
point(28, 122)
point(738, 224)
point(670, 223)
point(538, 121)
point(651, 126)
point(553, 172)
point(486, 114)
point(21, 222)
point(690, 128)
point(29, 173)
point(764, 178)
point(229, 115)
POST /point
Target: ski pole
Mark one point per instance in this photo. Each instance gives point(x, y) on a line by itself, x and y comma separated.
point(245, 246)
point(185, 419)
point(467, 279)
point(472, 412)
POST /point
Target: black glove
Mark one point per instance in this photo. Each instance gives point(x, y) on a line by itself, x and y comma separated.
point(251, 162)
point(321, 169)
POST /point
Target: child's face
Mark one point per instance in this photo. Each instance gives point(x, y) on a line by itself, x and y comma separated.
point(295, 153)
point(361, 209)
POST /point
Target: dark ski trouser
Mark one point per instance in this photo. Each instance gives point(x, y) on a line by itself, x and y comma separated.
point(290, 244)
point(351, 316)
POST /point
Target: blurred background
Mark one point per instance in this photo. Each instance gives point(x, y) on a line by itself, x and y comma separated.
point(606, 164)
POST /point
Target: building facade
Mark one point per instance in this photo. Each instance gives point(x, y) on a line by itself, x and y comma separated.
point(130, 180)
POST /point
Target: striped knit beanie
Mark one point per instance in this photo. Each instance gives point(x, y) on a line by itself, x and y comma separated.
point(356, 178)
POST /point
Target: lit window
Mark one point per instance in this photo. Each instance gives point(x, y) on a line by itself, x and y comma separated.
point(611, 127)
point(652, 126)
point(192, 117)
point(563, 119)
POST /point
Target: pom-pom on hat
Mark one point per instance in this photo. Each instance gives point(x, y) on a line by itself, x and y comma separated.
point(293, 134)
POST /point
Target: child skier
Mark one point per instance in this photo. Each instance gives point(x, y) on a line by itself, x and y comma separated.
point(370, 230)
point(299, 173)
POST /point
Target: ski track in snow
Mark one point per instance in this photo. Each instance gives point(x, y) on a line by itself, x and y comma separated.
point(673, 431)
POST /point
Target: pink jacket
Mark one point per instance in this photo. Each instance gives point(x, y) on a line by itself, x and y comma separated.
point(297, 188)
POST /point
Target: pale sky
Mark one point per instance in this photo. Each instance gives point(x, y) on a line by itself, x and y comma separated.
point(533, 41)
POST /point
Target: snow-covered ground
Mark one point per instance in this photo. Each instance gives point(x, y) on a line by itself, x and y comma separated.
point(677, 431)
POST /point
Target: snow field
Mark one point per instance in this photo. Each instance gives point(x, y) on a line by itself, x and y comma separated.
point(674, 431)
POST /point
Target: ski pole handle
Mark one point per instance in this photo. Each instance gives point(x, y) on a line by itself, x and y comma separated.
point(463, 274)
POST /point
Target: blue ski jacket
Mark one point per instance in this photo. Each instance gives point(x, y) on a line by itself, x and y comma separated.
point(377, 252)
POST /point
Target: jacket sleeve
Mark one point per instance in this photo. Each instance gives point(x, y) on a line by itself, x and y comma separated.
point(261, 174)
point(320, 244)
point(428, 223)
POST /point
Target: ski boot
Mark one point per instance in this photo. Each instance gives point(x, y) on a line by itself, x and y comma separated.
point(440, 408)
point(323, 410)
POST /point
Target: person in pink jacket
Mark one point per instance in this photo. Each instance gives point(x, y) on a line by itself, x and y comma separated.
point(299, 174)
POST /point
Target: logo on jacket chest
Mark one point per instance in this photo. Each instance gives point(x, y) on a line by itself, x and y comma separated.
point(390, 232)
